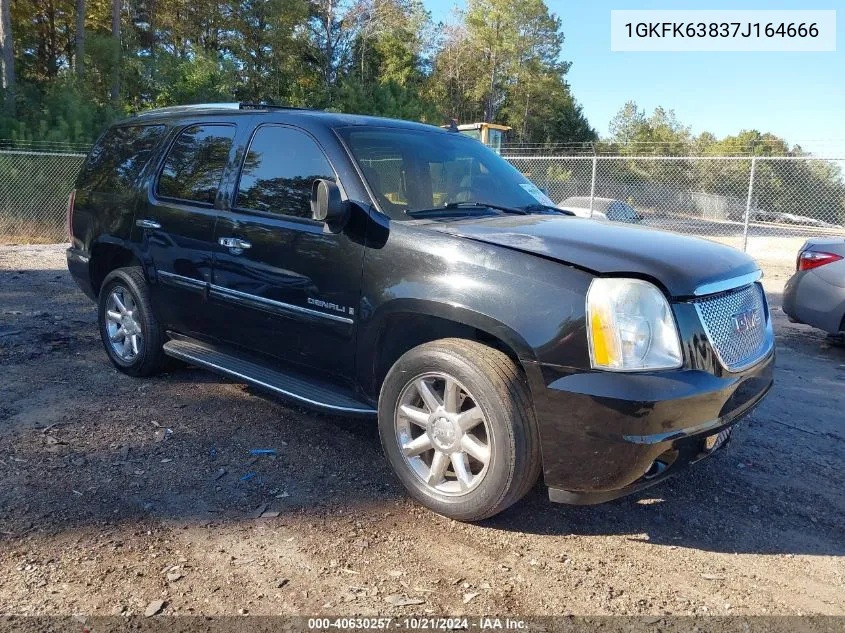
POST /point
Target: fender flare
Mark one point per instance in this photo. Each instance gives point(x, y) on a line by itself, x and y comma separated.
point(456, 313)
point(110, 241)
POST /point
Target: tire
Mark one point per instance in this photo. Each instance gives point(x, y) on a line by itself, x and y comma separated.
point(131, 285)
point(489, 385)
point(837, 339)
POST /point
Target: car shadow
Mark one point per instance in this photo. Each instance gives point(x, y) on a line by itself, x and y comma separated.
point(202, 471)
point(692, 510)
point(84, 445)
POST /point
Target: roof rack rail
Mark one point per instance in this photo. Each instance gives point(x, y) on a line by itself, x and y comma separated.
point(270, 106)
point(188, 108)
point(214, 106)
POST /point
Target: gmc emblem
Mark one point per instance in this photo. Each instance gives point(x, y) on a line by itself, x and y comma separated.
point(745, 321)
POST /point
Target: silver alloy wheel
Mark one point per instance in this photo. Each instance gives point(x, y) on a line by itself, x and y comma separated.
point(122, 326)
point(443, 433)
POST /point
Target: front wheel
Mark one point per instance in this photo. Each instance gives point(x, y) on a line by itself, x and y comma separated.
point(458, 428)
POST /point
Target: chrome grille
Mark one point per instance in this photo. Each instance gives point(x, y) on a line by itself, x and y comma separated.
point(736, 347)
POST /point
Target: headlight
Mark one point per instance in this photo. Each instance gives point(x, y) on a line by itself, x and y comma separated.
point(630, 326)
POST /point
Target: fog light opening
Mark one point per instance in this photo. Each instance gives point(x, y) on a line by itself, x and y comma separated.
point(657, 467)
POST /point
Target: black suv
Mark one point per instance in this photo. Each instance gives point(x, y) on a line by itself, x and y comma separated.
point(368, 266)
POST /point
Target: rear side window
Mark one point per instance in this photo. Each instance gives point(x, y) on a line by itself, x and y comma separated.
point(195, 163)
point(279, 171)
point(119, 157)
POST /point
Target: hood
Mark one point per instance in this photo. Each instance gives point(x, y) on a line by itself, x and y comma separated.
point(679, 262)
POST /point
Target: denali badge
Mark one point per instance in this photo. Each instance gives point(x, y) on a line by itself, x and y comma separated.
point(744, 321)
point(329, 306)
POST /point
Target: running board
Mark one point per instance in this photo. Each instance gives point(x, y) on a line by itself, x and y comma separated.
point(301, 389)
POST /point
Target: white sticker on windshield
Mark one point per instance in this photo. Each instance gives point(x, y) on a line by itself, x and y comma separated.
point(538, 195)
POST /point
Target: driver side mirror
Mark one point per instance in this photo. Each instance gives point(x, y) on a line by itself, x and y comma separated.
point(326, 203)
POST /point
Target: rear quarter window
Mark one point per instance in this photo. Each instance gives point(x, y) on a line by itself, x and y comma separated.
point(118, 158)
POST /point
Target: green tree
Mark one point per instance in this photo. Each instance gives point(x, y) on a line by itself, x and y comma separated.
point(392, 39)
point(261, 38)
point(801, 187)
point(75, 65)
point(503, 64)
point(661, 133)
point(493, 29)
point(455, 76)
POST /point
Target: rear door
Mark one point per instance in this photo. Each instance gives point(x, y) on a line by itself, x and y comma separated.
point(176, 223)
point(286, 285)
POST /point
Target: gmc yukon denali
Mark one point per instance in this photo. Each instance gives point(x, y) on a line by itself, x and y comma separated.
point(372, 267)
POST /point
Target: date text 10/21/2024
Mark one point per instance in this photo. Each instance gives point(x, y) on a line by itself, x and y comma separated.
point(484, 623)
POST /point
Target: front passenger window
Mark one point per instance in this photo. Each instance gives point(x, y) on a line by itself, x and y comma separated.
point(279, 171)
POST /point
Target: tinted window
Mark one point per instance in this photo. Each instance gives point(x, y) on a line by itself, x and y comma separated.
point(195, 163)
point(279, 171)
point(119, 157)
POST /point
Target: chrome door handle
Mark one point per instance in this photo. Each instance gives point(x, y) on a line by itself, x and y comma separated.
point(147, 224)
point(234, 243)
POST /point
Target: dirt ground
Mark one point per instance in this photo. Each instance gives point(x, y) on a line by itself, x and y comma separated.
point(116, 492)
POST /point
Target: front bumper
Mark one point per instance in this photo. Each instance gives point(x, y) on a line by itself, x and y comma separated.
point(604, 435)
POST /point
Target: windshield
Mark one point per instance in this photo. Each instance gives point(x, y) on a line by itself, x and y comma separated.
point(412, 170)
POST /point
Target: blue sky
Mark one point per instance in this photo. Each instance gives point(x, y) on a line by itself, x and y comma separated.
point(799, 96)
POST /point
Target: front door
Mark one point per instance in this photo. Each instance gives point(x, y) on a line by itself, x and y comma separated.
point(286, 286)
point(175, 224)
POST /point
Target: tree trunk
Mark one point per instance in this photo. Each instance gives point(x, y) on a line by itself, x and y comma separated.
point(329, 43)
point(52, 41)
point(491, 104)
point(6, 44)
point(525, 117)
point(488, 115)
point(363, 48)
point(115, 32)
point(79, 37)
point(153, 9)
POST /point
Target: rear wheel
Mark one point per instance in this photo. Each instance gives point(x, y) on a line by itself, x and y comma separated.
point(130, 332)
point(458, 428)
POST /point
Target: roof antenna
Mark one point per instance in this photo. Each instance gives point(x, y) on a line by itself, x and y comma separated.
point(453, 125)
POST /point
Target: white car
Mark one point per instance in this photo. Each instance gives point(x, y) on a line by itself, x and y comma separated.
point(603, 209)
point(581, 212)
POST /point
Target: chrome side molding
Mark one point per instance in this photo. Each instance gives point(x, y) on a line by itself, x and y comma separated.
point(219, 292)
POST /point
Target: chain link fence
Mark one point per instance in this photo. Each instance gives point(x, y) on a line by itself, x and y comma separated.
point(34, 191)
point(767, 206)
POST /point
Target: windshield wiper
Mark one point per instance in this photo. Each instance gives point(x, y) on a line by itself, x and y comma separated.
point(456, 206)
point(545, 209)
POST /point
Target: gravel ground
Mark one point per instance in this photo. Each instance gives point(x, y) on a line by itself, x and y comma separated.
point(117, 492)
